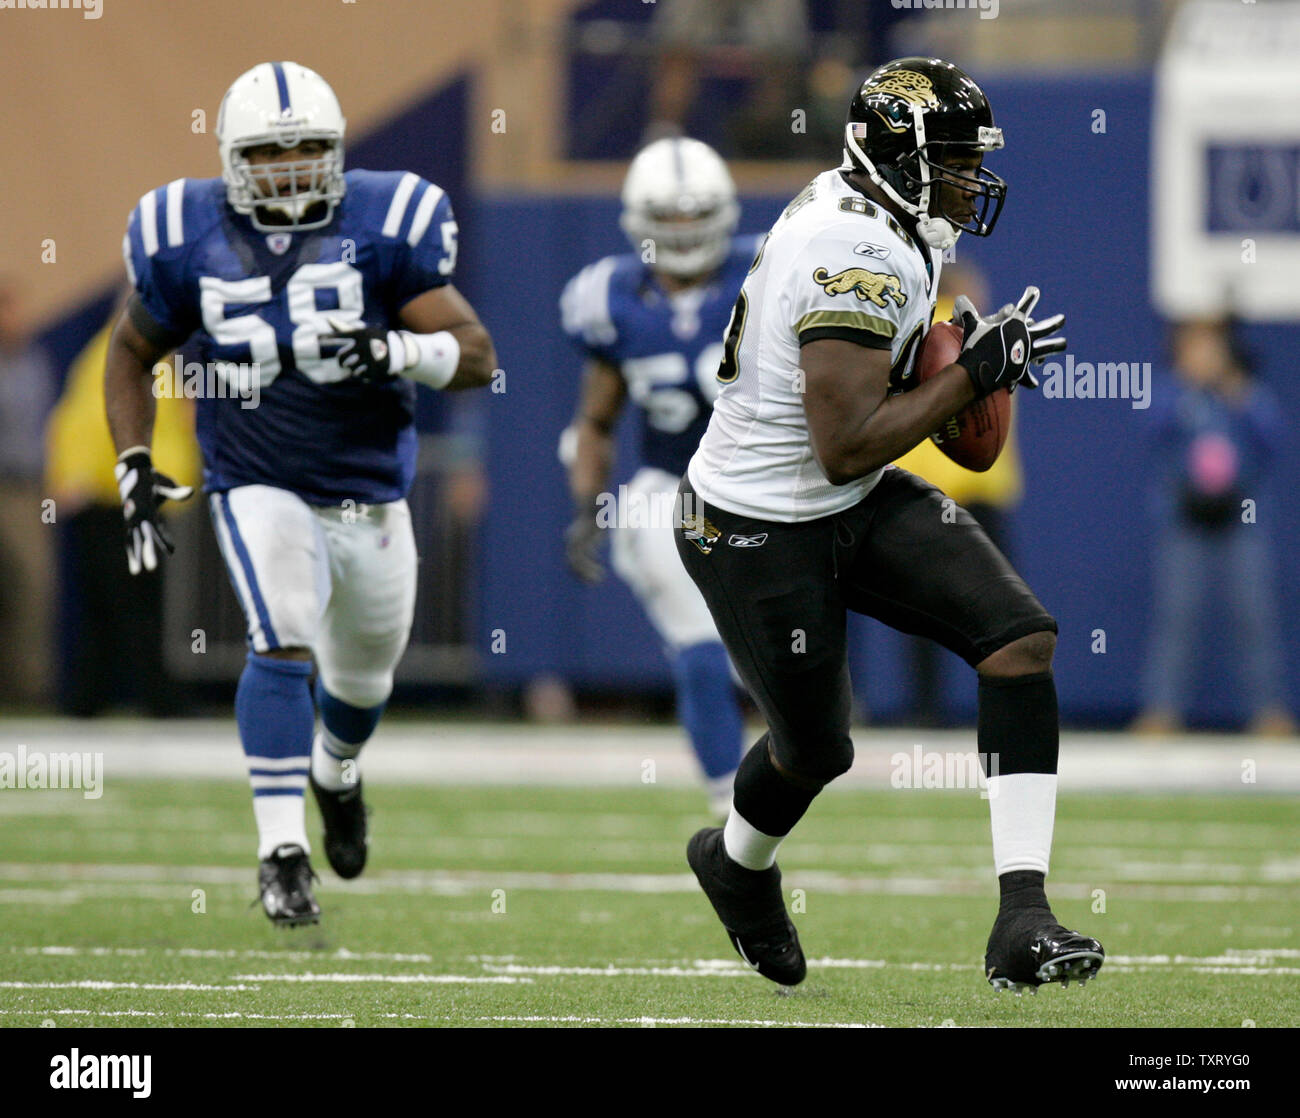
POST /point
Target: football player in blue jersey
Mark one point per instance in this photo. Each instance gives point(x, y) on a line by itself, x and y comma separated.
point(317, 299)
point(651, 325)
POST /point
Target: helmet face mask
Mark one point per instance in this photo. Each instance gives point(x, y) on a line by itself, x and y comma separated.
point(679, 197)
point(281, 106)
point(911, 125)
point(287, 188)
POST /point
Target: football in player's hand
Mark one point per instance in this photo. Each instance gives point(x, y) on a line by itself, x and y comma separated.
point(974, 437)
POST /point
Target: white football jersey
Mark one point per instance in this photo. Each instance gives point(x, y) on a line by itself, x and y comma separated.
point(835, 265)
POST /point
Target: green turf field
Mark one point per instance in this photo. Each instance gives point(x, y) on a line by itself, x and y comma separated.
point(574, 906)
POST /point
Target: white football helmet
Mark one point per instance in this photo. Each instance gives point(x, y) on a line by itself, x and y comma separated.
point(281, 103)
point(679, 196)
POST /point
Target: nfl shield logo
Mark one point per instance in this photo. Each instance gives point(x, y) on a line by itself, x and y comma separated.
point(279, 243)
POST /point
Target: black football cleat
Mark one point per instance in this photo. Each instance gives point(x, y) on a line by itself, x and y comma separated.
point(752, 910)
point(344, 816)
point(284, 880)
point(1030, 949)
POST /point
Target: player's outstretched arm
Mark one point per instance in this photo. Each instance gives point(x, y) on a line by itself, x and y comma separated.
point(128, 390)
point(128, 396)
point(854, 425)
point(446, 309)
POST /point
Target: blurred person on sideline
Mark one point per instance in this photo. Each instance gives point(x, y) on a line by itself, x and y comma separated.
point(27, 390)
point(989, 497)
point(1216, 432)
point(764, 40)
point(111, 623)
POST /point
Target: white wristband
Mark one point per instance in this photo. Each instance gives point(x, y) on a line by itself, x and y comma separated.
point(431, 359)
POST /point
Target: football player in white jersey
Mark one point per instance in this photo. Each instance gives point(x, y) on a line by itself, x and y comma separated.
point(331, 295)
point(650, 324)
point(818, 397)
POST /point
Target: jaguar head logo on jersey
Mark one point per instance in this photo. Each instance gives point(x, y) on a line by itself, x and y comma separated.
point(282, 108)
point(916, 126)
point(679, 200)
point(875, 286)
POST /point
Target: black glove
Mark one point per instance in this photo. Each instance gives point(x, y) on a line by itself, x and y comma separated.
point(372, 355)
point(582, 546)
point(143, 491)
point(996, 351)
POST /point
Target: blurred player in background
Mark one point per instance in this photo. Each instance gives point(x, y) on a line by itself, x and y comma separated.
point(318, 299)
point(818, 399)
point(651, 324)
point(27, 391)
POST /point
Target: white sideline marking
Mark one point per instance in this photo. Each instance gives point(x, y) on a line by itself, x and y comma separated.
point(99, 984)
point(431, 979)
point(432, 752)
point(422, 1017)
point(232, 1016)
point(573, 1020)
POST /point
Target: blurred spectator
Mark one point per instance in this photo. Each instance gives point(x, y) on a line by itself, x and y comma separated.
point(110, 622)
point(27, 388)
point(989, 497)
point(1215, 432)
point(766, 41)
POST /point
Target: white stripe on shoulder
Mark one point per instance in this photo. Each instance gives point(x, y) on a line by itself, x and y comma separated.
point(149, 223)
point(593, 297)
point(175, 213)
point(397, 207)
point(424, 214)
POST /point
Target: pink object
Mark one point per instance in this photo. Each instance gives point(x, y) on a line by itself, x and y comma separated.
point(1212, 464)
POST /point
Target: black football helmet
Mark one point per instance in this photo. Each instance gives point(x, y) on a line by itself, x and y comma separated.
point(906, 120)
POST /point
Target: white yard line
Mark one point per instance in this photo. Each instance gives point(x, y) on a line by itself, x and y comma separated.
point(102, 984)
point(407, 979)
point(79, 881)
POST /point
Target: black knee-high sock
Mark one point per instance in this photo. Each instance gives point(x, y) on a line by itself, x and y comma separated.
point(1019, 741)
point(767, 800)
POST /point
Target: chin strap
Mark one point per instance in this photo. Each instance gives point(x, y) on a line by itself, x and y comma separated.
point(937, 232)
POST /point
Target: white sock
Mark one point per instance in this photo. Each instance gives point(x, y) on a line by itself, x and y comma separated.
point(1022, 807)
point(334, 762)
point(747, 845)
point(280, 820)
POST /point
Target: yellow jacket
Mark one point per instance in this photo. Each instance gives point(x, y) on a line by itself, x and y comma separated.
point(999, 485)
point(79, 453)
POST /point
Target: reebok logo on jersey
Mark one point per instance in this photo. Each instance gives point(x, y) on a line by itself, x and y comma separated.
point(747, 541)
point(876, 286)
point(866, 248)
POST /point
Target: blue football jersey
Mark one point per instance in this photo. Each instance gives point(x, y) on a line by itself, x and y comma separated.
point(262, 300)
point(667, 347)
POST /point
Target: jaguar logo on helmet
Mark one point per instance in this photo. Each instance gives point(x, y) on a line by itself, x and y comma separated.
point(909, 87)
